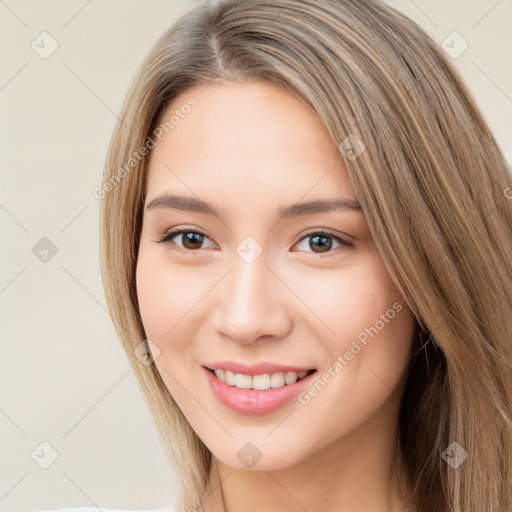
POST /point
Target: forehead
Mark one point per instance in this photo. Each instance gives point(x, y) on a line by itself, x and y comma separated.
point(254, 137)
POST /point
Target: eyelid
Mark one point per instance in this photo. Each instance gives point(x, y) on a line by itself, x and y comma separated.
point(170, 234)
point(325, 231)
point(322, 231)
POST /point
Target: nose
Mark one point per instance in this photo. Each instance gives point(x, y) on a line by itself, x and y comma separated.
point(252, 303)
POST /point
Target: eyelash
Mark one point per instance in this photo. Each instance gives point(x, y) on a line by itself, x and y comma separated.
point(167, 237)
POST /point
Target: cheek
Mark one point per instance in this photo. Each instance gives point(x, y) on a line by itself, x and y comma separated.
point(370, 326)
point(165, 297)
point(166, 301)
point(350, 300)
point(366, 357)
point(368, 312)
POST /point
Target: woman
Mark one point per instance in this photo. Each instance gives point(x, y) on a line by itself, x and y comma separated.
point(306, 250)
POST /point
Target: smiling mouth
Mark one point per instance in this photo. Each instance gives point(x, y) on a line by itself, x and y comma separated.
point(261, 382)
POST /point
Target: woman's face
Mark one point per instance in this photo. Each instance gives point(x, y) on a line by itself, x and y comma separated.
point(274, 278)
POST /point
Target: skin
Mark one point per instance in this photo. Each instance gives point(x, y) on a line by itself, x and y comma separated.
point(248, 149)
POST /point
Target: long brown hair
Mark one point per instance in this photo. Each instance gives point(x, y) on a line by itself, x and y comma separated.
point(433, 186)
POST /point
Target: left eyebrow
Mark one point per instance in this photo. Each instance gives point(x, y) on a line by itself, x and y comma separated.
point(193, 204)
point(319, 206)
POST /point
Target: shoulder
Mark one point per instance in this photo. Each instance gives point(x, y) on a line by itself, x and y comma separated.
point(168, 508)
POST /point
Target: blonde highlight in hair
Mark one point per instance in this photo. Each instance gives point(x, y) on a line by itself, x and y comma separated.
point(431, 183)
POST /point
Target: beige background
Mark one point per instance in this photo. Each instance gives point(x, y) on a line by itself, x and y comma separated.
point(64, 378)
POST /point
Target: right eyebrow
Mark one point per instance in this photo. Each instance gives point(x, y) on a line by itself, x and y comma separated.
point(185, 203)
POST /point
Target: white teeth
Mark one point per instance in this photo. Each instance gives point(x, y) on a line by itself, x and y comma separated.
point(220, 375)
point(277, 380)
point(243, 381)
point(290, 378)
point(259, 382)
point(230, 378)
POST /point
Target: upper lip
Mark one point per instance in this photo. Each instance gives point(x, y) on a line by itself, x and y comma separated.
point(255, 368)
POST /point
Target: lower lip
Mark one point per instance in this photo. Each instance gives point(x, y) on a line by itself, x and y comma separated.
point(253, 401)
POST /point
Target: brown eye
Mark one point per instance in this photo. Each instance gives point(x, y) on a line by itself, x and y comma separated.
point(324, 243)
point(190, 240)
point(321, 242)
